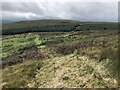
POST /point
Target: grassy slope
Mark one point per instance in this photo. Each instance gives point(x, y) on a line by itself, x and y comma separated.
point(71, 59)
point(67, 71)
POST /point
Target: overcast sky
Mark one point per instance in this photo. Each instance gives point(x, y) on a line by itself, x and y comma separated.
point(74, 10)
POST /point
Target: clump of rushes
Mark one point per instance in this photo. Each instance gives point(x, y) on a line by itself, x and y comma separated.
point(110, 55)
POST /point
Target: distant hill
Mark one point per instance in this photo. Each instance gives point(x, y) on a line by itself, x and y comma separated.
point(54, 26)
point(32, 23)
point(7, 21)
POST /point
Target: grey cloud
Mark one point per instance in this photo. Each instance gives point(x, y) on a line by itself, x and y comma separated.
point(21, 7)
point(83, 11)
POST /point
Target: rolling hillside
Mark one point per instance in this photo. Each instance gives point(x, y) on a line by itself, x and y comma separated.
point(59, 54)
point(54, 26)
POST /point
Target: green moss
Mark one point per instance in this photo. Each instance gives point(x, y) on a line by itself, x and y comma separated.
point(42, 46)
point(3, 55)
point(37, 40)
